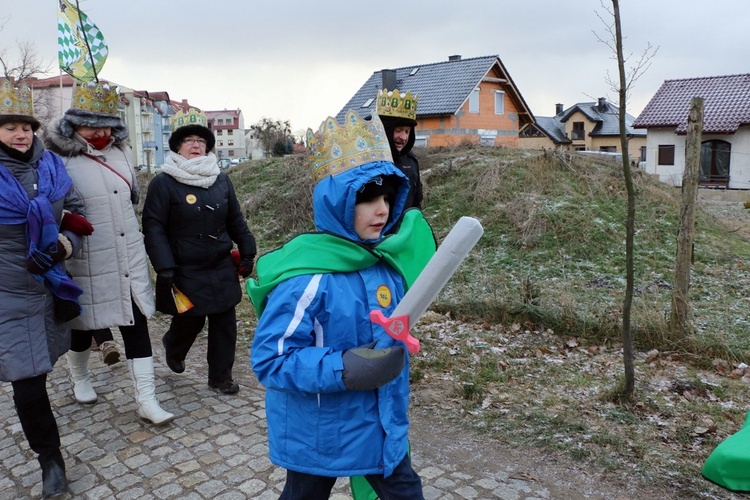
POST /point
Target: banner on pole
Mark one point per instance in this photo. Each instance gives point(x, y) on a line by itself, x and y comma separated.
point(81, 48)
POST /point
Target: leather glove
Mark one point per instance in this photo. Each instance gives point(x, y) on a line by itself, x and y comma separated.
point(164, 297)
point(244, 266)
point(164, 282)
point(76, 224)
point(366, 368)
point(41, 262)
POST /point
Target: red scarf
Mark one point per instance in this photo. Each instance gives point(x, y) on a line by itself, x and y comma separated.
point(99, 142)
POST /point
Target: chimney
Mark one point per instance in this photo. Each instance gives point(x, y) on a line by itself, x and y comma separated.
point(456, 57)
point(389, 79)
point(602, 104)
point(558, 108)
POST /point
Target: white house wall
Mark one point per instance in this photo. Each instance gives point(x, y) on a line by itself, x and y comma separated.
point(669, 174)
point(739, 170)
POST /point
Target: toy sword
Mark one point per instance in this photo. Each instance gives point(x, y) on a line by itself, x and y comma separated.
point(454, 249)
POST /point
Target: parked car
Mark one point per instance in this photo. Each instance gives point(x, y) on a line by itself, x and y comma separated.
point(225, 163)
point(243, 159)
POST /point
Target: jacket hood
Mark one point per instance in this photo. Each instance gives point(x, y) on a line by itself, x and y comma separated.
point(58, 141)
point(389, 124)
point(334, 198)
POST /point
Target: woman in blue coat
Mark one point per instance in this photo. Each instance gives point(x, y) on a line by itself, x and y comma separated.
point(338, 385)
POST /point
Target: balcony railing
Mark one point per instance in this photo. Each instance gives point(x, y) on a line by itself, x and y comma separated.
point(578, 135)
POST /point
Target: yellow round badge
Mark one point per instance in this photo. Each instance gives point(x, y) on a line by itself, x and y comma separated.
point(384, 296)
point(191, 199)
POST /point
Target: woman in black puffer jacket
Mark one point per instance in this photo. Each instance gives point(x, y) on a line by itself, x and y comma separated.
point(191, 220)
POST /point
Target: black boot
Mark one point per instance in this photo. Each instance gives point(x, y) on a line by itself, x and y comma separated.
point(39, 426)
point(54, 482)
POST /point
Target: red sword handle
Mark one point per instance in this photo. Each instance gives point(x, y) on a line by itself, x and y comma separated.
point(398, 328)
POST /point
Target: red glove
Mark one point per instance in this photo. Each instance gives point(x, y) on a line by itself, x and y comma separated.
point(236, 257)
point(76, 224)
point(41, 262)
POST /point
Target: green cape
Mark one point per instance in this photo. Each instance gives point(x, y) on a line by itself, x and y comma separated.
point(407, 250)
point(729, 464)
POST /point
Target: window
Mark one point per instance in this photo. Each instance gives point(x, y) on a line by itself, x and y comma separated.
point(219, 132)
point(221, 143)
point(666, 154)
point(608, 149)
point(420, 142)
point(715, 157)
point(474, 101)
point(230, 132)
point(230, 143)
point(499, 102)
point(368, 102)
point(643, 153)
point(579, 133)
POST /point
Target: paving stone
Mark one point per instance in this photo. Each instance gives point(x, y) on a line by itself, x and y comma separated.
point(215, 448)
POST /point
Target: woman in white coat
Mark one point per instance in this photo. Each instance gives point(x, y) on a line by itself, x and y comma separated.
point(112, 268)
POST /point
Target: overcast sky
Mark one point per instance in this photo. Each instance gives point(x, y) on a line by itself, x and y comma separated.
point(301, 60)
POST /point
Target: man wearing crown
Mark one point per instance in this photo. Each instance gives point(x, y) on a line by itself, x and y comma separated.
point(398, 112)
point(337, 384)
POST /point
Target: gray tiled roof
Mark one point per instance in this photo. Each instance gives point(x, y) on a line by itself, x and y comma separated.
point(553, 127)
point(726, 103)
point(607, 121)
point(441, 87)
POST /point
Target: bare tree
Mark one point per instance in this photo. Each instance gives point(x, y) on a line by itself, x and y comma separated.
point(23, 63)
point(622, 86)
point(272, 132)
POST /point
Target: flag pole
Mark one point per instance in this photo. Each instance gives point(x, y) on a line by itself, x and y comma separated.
point(86, 39)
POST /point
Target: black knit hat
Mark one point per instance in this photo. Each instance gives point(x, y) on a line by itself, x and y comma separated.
point(179, 135)
point(380, 185)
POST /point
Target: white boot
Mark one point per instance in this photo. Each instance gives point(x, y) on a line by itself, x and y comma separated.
point(80, 375)
point(142, 373)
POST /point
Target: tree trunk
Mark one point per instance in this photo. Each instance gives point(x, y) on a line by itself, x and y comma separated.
point(627, 341)
point(679, 325)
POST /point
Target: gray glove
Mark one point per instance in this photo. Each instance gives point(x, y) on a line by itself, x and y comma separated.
point(366, 368)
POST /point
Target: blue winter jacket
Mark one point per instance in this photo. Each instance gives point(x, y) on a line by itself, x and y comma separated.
point(315, 425)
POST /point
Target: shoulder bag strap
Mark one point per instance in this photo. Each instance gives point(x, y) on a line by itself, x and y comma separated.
point(110, 168)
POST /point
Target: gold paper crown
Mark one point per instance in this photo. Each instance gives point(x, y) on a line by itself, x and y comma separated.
point(396, 104)
point(16, 99)
point(334, 148)
point(95, 97)
point(191, 117)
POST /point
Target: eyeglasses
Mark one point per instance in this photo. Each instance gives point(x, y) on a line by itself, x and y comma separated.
point(201, 142)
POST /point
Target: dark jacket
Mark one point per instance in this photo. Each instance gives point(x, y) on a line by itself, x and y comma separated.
point(31, 338)
point(405, 160)
point(190, 230)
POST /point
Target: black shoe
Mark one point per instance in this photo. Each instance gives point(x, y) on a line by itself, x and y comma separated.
point(54, 482)
point(226, 386)
point(174, 364)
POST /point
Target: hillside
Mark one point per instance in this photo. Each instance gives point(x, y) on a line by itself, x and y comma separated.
point(523, 344)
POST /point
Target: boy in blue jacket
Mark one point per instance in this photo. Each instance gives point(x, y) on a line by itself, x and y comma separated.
point(337, 386)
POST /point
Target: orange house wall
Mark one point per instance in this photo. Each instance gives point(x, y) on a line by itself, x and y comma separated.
point(463, 127)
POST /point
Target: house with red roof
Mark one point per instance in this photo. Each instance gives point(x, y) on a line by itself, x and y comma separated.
point(460, 101)
point(725, 140)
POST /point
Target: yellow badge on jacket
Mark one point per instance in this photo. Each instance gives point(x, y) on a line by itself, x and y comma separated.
point(384, 296)
point(191, 199)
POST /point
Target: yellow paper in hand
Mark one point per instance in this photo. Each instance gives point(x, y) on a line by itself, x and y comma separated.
point(181, 301)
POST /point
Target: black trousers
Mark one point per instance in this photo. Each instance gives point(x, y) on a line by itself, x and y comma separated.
point(135, 337)
point(222, 340)
point(37, 421)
